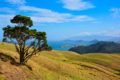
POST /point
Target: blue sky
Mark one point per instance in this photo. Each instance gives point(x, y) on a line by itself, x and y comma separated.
point(63, 19)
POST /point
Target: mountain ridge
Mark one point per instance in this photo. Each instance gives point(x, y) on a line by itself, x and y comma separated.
point(99, 47)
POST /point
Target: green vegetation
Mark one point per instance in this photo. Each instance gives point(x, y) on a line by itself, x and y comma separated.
point(59, 65)
point(99, 47)
point(21, 34)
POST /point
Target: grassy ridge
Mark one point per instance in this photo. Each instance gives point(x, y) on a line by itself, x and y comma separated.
point(60, 65)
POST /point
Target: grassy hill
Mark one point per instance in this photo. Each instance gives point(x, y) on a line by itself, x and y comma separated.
point(59, 65)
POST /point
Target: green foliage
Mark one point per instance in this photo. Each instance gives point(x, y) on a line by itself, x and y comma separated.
point(21, 34)
point(22, 21)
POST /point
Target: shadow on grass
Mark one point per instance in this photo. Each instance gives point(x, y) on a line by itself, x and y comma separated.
point(5, 58)
point(118, 71)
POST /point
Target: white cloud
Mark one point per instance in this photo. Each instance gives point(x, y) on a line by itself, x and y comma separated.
point(46, 15)
point(77, 4)
point(16, 1)
point(7, 10)
point(115, 12)
point(61, 19)
point(5, 19)
point(115, 33)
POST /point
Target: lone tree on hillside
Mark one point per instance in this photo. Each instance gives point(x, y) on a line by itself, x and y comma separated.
point(27, 41)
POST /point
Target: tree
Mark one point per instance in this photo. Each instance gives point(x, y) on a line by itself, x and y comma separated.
point(27, 41)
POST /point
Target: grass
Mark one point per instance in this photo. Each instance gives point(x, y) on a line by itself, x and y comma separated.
point(61, 65)
point(2, 77)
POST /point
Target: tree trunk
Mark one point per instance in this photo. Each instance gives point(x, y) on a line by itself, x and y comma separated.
point(22, 60)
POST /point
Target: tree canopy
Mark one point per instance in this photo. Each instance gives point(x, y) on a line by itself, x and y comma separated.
point(22, 21)
point(27, 41)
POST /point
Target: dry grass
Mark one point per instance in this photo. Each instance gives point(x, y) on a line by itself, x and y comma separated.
point(61, 65)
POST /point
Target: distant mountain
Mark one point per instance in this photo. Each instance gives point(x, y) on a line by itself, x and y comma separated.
point(96, 37)
point(67, 44)
point(81, 40)
point(99, 47)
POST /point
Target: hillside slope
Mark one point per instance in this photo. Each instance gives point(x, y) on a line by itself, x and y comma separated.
point(59, 65)
point(99, 47)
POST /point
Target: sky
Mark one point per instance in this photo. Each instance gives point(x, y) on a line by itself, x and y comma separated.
point(63, 19)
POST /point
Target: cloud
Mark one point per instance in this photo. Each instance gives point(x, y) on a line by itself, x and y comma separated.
point(5, 19)
point(61, 19)
point(77, 4)
point(115, 12)
point(7, 10)
point(21, 2)
point(115, 33)
point(46, 15)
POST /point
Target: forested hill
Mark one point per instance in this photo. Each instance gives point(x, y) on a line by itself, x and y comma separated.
point(99, 47)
